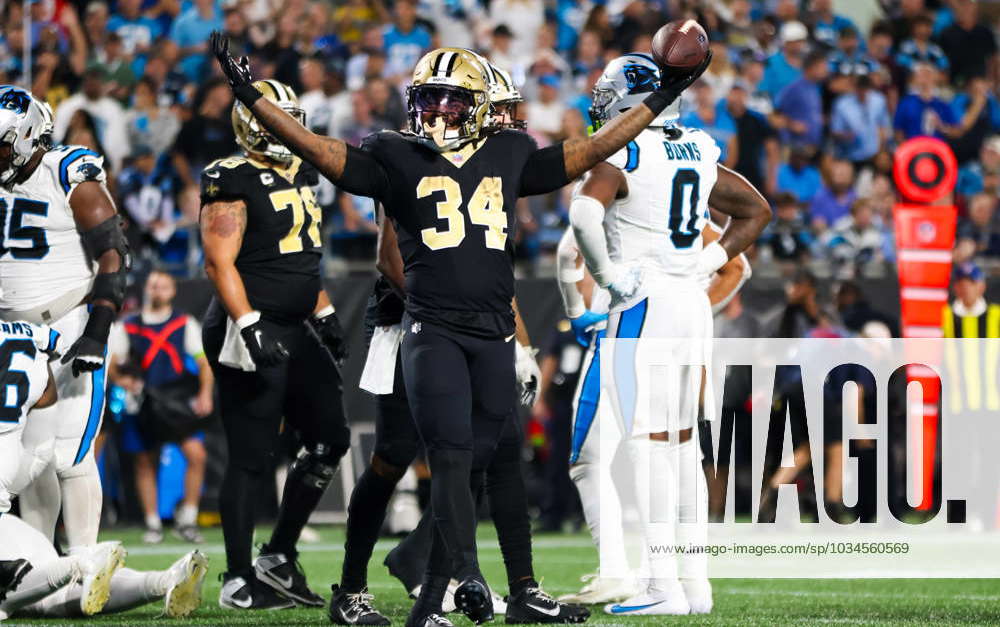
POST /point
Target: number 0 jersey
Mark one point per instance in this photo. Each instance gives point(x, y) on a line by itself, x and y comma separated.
point(41, 253)
point(280, 255)
point(658, 225)
point(24, 371)
point(455, 222)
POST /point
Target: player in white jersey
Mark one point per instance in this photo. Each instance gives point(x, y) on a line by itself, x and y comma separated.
point(590, 323)
point(91, 579)
point(63, 262)
point(638, 219)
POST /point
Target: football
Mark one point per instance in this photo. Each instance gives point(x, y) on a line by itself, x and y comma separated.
point(680, 45)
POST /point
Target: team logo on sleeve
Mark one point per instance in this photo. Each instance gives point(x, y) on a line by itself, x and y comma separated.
point(89, 171)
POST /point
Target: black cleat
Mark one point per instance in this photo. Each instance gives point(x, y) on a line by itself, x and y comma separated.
point(473, 599)
point(353, 608)
point(534, 605)
point(431, 620)
point(11, 574)
point(286, 577)
point(239, 594)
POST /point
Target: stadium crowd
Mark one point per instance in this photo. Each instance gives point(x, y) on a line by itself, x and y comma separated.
point(807, 99)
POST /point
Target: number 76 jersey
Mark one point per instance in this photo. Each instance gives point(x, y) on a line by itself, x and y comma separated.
point(41, 253)
point(657, 226)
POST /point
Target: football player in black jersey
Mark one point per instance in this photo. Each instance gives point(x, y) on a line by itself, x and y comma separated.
point(396, 446)
point(446, 186)
point(272, 339)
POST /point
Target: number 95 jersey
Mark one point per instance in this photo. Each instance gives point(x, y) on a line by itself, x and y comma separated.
point(657, 226)
point(282, 244)
point(41, 253)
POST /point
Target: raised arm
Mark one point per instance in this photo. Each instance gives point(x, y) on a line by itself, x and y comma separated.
point(352, 169)
point(553, 167)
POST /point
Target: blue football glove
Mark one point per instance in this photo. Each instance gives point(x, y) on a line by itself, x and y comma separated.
point(585, 326)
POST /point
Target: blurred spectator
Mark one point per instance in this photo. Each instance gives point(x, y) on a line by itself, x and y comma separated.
point(119, 77)
point(735, 321)
point(589, 57)
point(370, 46)
point(920, 49)
point(739, 23)
point(787, 237)
point(849, 55)
point(190, 32)
point(835, 198)
point(545, 113)
point(971, 46)
point(720, 75)
point(977, 233)
point(352, 18)
point(859, 123)
point(922, 111)
point(827, 25)
point(137, 32)
point(281, 55)
point(979, 112)
point(855, 311)
point(785, 66)
point(752, 73)
point(855, 240)
point(800, 312)
point(799, 177)
point(983, 174)
point(906, 13)
point(109, 119)
point(149, 123)
point(801, 103)
point(524, 18)
point(457, 21)
point(171, 87)
point(95, 27)
point(324, 100)
point(758, 143)
point(404, 41)
point(207, 135)
point(168, 369)
point(714, 119)
point(387, 106)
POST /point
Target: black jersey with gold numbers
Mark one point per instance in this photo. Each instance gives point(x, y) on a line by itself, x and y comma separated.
point(455, 223)
point(279, 260)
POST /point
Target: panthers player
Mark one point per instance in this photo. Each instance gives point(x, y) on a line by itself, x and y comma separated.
point(589, 323)
point(446, 184)
point(642, 241)
point(63, 262)
point(272, 338)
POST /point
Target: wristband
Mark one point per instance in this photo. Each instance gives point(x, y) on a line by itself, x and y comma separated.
point(658, 101)
point(324, 312)
point(711, 258)
point(99, 323)
point(247, 94)
point(247, 319)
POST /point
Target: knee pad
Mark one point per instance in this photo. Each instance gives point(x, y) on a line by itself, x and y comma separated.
point(316, 465)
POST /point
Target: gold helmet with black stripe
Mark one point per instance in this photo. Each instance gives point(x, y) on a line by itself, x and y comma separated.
point(251, 136)
point(448, 101)
point(504, 97)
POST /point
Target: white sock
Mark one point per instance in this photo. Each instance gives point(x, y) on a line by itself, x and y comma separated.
point(40, 584)
point(610, 542)
point(82, 501)
point(40, 502)
point(132, 588)
point(655, 467)
point(692, 523)
point(153, 522)
point(187, 515)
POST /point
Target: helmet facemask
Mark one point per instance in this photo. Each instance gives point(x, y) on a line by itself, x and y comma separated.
point(252, 136)
point(445, 115)
point(25, 126)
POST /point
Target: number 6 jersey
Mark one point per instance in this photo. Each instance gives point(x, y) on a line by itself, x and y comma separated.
point(282, 244)
point(41, 254)
point(657, 226)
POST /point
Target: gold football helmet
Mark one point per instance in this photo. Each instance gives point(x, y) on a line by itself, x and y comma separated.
point(448, 102)
point(251, 136)
point(504, 96)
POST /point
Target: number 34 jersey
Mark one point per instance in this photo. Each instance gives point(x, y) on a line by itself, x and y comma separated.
point(657, 226)
point(41, 253)
point(280, 255)
point(455, 222)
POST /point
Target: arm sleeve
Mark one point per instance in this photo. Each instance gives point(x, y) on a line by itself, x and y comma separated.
point(569, 274)
point(586, 214)
point(363, 175)
point(544, 171)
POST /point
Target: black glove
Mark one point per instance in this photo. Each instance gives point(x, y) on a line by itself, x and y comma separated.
point(236, 71)
point(88, 352)
point(331, 335)
point(673, 84)
point(264, 350)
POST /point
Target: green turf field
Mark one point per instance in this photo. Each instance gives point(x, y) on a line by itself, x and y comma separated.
point(561, 560)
